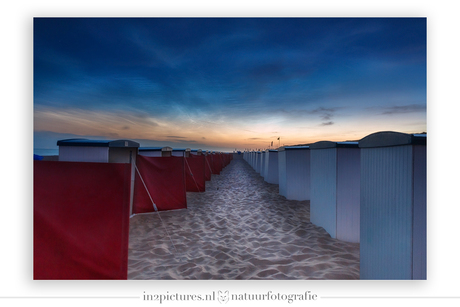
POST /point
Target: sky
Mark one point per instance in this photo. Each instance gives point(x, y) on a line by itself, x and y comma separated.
point(227, 83)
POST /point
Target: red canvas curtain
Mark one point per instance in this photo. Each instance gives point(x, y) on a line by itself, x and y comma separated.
point(216, 163)
point(164, 178)
point(81, 220)
point(227, 158)
point(195, 173)
point(208, 167)
point(230, 158)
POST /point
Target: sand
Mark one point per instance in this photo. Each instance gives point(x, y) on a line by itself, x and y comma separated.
point(239, 229)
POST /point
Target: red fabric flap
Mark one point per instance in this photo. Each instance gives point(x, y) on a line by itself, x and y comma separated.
point(195, 173)
point(165, 181)
point(81, 220)
point(208, 168)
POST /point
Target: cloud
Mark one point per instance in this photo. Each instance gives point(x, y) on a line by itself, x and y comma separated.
point(189, 141)
point(404, 109)
point(175, 137)
point(87, 122)
point(325, 114)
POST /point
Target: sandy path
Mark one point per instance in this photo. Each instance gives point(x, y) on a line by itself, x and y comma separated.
point(240, 228)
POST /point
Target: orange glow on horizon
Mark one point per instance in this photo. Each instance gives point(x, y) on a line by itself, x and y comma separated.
point(230, 134)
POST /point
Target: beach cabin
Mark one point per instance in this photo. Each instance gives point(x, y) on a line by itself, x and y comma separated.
point(156, 151)
point(254, 160)
point(262, 164)
point(195, 171)
point(83, 150)
point(271, 166)
point(81, 210)
point(181, 152)
point(393, 206)
point(248, 157)
point(294, 172)
point(259, 161)
point(335, 188)
point(162, 179)
point(207, 165)
point(117, 151)
point(216, 162)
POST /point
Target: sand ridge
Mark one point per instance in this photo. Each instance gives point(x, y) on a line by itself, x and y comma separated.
point(240, 228)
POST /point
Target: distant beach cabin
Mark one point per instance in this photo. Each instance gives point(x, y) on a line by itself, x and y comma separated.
point(216, 162)
point(181, 152)
point(335, 188)
point(253, 159)
point(195, 171)
point(248, 157)
point(259, 161)
point(156, 151)
point(271, 166)
point(294, 172)
point(207, 166)
point(393, 206)
point(262, 164)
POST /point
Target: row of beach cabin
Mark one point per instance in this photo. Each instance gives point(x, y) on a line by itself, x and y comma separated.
point(372, 191)
point(84, 200)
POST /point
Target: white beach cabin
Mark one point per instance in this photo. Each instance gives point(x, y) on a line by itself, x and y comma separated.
point(181, 152)
point(271, 166)
point(83, 150)
point(335, 188)
point(262, 163)
point(252, 159)
point(105, 151)
point(294, 172)
point(258, 161)
point(156, 151)
point(393, 206)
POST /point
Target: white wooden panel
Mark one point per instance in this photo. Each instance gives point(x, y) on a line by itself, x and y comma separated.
point(420, 214)
point(348, 196)
point(282, 171)
point(83, 154)
point(271, 167)
point(323, 203)
point(297, 174)
point(386, 213)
